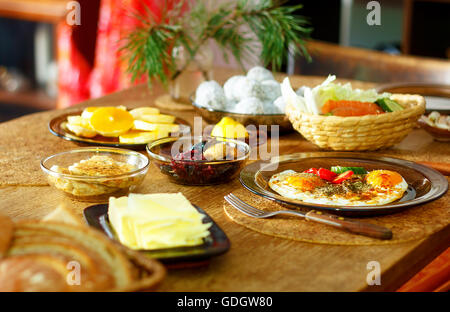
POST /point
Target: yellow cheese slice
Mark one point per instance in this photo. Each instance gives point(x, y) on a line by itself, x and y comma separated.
point(122, 222)
point(153, 221)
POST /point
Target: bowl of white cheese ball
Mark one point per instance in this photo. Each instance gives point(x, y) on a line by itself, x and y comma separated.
point(251, 99)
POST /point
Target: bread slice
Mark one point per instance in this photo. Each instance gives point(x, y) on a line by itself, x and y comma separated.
point(93, 272)
point(38, 253)
point(6, 234)
point(151, 272)
point(33, 273)
point(118, 264)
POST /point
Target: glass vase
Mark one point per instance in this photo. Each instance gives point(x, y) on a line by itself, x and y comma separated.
point(198, 70)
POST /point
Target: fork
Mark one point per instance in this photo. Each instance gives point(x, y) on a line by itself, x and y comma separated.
point(353, 226)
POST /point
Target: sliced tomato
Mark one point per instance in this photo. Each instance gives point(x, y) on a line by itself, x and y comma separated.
point(343, 176)
point(311, 170)
point(326, 174)
point(350, 108)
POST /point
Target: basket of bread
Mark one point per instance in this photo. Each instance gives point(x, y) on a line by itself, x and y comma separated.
point(337, 117)
point(60, 254)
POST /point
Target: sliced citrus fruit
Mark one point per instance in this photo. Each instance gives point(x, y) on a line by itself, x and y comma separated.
point(81, 131)
point(111, 121)
point(80, 126)
point(88, 111)
point(146, 126)
point(229, 128)
point(122, 107)
point(141, 137)
point(161, 118)
point(79, 121)
point(138, 112)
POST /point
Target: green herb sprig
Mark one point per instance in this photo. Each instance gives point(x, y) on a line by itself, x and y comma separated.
point(238, 28)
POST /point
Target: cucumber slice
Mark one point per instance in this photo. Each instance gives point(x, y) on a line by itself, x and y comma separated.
point(356, 170)
point(389, 105)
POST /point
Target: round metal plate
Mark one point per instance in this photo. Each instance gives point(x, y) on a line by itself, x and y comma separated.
point(57, 126)
point(424, 184)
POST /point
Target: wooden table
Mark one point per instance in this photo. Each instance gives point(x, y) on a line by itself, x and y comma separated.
point(255, 262)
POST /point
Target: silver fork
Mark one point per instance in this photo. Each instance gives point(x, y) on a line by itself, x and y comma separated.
point(353, 226)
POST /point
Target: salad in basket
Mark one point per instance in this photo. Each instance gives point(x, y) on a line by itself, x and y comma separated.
point(336, 99)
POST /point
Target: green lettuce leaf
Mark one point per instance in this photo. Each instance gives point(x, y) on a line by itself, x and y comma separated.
point(316, 97)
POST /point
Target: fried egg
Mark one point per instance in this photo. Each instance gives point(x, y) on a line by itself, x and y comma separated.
point(379, 187)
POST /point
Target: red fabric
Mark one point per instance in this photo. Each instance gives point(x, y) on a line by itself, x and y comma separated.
point(116, 21)
point(83, 76)
point(75, 53)
point(73, 69)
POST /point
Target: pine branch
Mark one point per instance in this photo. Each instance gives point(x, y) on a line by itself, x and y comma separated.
point(274, 25)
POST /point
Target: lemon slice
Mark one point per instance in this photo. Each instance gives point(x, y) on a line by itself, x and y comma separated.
point(227, 127)
point(111, 121)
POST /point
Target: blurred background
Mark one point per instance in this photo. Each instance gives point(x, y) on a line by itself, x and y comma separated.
point(46, 63)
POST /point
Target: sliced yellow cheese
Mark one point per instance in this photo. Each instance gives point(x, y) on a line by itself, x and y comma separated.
point(155, 221)
point(123, 225)
point(161, 118)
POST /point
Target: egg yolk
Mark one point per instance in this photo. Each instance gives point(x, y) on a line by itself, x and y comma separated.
point(305, 183)
point(384, 178)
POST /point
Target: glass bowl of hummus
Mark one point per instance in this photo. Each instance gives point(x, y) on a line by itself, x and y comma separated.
point(93, 174)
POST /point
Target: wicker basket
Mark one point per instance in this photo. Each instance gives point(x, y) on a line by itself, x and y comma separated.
point(360, 133)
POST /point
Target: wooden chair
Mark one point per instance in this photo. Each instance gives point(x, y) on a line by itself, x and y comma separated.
point(368, 65)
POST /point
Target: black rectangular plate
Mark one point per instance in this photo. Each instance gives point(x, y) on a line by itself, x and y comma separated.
point(215, 244)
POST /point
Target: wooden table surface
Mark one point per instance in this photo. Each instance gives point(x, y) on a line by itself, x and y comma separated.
point(255, 262)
